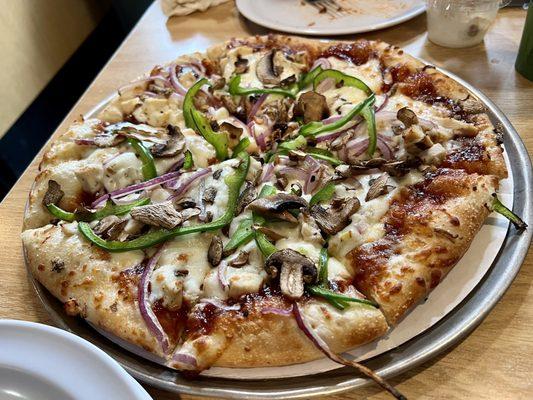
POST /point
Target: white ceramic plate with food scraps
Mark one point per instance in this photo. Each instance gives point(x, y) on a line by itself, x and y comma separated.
point(42, 362)
point(329, 17)
point(453, 289)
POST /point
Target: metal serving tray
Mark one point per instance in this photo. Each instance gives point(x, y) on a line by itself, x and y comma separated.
point(449, 331)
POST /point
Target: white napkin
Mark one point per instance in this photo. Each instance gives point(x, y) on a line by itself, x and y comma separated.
point(185, 7)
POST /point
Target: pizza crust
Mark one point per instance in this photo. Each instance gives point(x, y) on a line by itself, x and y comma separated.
point(429, 228)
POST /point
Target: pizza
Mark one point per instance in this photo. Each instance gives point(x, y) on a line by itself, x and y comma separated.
point(264, 203)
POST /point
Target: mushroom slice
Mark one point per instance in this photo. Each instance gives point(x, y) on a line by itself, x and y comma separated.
point(266, 72)
point(407, 116)
point(210, 194)
point(333, 220)
point(246, 197)
point(53, 194)
point(174, 146)
point(241, 65)
point(160, 214)
point(378, 187)
point(294, 269)
point(111, 227)
point(240, 260)
point(311, 106)
point(214, 254)
point(277, 205)
point(272, 235)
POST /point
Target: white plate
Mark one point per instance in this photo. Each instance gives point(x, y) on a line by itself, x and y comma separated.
point(297, 16)
point(46, 363)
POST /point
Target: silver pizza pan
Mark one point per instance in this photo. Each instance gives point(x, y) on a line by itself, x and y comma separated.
point(441, 336)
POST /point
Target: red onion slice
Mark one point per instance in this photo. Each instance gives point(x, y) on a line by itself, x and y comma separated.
point(256, 107)
point(312, 165)
point(146, 309)
point(184, 361)
point(182, 185)
point(268, 172)
point(174, 81)
point(277, 311)
point(384, 149)
point(383, 104)
point(322, 62)
point(136, 187)
point(259, 139)
point(357, 146)
point(321, 345)
point(331, 119)
point(197, 67)
point(295, 173)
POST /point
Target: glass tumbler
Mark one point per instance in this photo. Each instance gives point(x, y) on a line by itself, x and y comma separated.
point(460, 23)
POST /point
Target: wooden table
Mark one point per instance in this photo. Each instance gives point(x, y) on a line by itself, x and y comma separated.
point(496, 360)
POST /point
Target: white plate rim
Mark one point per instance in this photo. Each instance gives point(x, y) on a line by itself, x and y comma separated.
point(245, 9)
point(52, 335)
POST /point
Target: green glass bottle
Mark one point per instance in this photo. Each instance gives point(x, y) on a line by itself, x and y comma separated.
point(524, 61)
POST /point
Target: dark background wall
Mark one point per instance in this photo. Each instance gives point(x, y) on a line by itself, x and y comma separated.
point(28, 134)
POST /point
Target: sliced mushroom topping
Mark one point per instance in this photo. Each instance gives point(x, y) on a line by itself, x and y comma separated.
point(294, 270)
point(363, 165)
point(240, 260)
point(189, 213)
point(400, 168)
point(267, 72)
point(111, 227)
point(209, 195)
point(233, 132)
point(277, 205)
point(378, 187)
point(105, 224)
point(160, 214)
point(272, 235)
point(472, 106)
point(185, 202)
point(116, 232)
point(53, 194)
point(241, 65)
point(311, 106)
point(246, 197)
point(342, 140)
point(334, 220)
point(216, 174)
point(174, 146)
point(214, 254)
point(217, 82)
point(407, 116)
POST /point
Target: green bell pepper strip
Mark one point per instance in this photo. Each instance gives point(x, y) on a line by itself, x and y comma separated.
point(60, 213)
point(369, 115)
point(341, 78)
point(148, 167)
point(323, 154)
point(188, 163)
point(308, 78)
point(194, 119)
point(245, 232)
point(330, 294)
point(107, 210)
point(323, 259)
point(264, 245)
point(234, 183)
point(323, 281)
point(235, 89)
point(242, 145)
point(498, 206)
point(324, 194)
point(316, 128)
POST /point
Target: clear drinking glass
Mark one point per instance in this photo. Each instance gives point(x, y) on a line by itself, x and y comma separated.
point(460, 23)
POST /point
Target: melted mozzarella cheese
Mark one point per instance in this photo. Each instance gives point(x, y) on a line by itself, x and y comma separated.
point(369, 73)
point(121, 171)
point(201, 151)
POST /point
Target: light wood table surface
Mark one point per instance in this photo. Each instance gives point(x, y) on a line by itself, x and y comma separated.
point(496, 360)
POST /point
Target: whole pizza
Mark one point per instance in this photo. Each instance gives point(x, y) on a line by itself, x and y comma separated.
point(264, 203)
